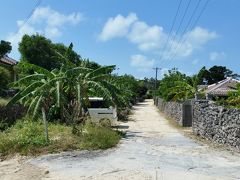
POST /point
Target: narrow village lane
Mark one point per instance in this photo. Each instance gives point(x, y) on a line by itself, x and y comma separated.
point(153, 149)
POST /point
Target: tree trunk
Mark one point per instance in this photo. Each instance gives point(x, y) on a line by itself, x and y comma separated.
point(79, 98)
point(45, 123)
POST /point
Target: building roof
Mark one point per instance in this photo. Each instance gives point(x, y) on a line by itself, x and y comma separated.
point(9, 61)
point(222, 88)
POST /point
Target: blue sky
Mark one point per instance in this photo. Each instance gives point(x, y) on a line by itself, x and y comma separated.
point(133, 34)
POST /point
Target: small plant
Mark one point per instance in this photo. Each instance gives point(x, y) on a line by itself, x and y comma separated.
point(104, 122)
point(123, 114)
point(22, 137)
point(5, 77)
point(96, 137)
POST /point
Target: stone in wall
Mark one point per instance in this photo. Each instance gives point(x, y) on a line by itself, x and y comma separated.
point(217, 123)
point(171, 109)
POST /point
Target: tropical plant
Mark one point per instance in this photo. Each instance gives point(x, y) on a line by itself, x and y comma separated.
point(170, 81)
point(66, 89)
point(38, 91)
point(177, 86)
point(5, 77)
point(181, 91)
point(233, 98)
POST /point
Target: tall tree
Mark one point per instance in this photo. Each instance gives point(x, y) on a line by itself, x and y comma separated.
point(5, 48)
point(215, 74)
point(218, 73)
point(170, 81)
point(38, 50)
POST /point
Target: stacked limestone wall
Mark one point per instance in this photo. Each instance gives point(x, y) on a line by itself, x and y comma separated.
point(217, 123)
point(171, 109)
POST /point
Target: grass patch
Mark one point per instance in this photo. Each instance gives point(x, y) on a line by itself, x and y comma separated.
point(96, 137)
point(26, 137)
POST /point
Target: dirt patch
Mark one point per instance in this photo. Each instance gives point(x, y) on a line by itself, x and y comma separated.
point(17, 168)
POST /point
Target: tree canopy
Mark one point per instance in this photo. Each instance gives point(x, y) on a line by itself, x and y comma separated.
point(168, 85)
point(38, 50)
point(5, 48)
point(215, 74)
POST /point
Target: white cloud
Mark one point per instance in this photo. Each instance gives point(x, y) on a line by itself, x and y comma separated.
point(195, 61)
point(152, 38)
point(53, 18)
point(117, 27)
point(52, 32)
point(146, 37)
point(216, 56)
point(141, 62)
point(44, 21)
point(190, 42)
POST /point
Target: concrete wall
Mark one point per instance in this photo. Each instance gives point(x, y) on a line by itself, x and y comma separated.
point(216, 123)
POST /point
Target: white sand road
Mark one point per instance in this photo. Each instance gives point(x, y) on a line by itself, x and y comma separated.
point(152, 149)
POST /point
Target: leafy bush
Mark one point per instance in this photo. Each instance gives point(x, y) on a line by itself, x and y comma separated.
point(105, 122)
point(233, 99)
point(5, 78)
point(9, 114)
point(96, 137)
point(123, 114)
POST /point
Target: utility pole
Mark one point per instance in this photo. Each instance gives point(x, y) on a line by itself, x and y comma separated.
point(156, 69)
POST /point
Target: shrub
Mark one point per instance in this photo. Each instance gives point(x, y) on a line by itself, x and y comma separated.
point(5, 78)
point(123, 114)
point(9, 115)
point(96, 137)
point(105, 122)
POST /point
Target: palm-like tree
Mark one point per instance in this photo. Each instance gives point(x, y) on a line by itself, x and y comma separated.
point(38, 91)
point(44, 89)
point(181, 91)
point(186, 89)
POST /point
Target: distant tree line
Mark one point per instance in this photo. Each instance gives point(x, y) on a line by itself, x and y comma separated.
point(178, 86)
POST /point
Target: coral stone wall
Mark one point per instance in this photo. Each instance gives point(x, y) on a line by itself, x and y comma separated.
point(217, 123)
point(170, 109)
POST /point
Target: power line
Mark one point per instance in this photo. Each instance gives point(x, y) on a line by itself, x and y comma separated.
point(186, 28)
point(29, 16)
point(181, 21)
point(171, 29)
point(183, 40)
